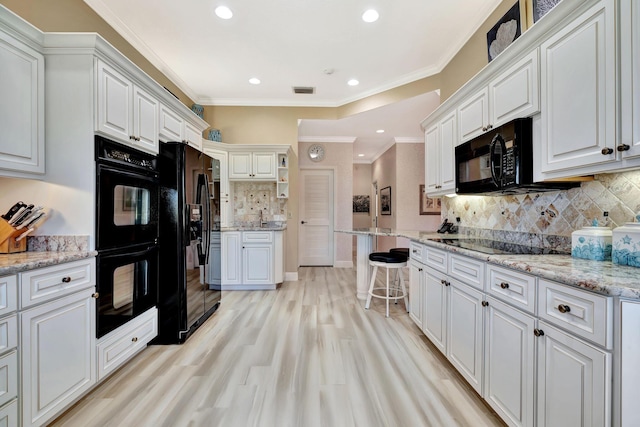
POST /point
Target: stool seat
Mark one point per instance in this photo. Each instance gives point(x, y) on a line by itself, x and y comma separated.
point(388, 257)
point(403, 251)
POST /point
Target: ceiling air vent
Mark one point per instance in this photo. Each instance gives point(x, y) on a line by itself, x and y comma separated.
point(304, 90)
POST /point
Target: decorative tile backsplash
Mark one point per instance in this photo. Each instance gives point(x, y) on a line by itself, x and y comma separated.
point(250, 197)
point(548, 218)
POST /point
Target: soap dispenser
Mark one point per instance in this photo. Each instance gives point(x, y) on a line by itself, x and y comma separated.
point(626, 243)
point(592, 243)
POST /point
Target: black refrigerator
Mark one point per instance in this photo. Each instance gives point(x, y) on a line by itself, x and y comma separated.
point(187, 218)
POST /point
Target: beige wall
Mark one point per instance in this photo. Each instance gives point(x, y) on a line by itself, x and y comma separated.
point(338, 157)
point(362, 186)
point(383, 172)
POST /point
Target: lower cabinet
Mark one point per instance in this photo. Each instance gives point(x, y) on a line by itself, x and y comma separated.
point(509, 363)
point(434, 324)
point(416, 286)
point(58, 355)
point(574, 381)
point(249, 259)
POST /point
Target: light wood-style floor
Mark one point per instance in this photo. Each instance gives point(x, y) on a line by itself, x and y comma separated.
point(306, 355)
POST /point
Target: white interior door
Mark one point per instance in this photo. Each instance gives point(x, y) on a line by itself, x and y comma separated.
point(316, 217)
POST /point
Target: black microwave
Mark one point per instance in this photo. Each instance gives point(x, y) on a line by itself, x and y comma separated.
point(500, 161)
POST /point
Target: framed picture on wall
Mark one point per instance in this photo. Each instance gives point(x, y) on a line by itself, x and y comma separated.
point(541, 7)
point(361, 204)
point(428, 205)
point(385, 201)
point(506, 30)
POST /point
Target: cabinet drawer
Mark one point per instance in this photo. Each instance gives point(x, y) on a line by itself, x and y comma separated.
point(8, 333)
point(9, 414)
point(510, 286)
point(44, 284)
point(8, 294)
point(582, 313)
point(435, 258)
point(120, 345)
point(416, 250)
point(467, 270)
point(8, 377)
point(257, 237)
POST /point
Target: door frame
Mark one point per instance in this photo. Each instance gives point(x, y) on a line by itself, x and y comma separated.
point(334, 171)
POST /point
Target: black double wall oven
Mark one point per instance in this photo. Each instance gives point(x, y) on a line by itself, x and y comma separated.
point(127, 188)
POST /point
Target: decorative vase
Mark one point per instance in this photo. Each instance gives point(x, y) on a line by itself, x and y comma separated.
point(214, 135)
point(198, 109)
point(592, 243)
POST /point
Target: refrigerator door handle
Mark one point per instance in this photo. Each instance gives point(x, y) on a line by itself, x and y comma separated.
point(205, 219)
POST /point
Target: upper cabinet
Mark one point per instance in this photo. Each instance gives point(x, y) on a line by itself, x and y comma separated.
point(259, 166)
point(512, 94)
point(438, 154)
point(174, 127)
point(578, 120)
point(21, 108)
point(629, 146)
point(125, 111)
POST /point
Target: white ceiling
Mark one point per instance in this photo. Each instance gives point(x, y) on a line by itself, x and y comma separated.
point(288, 43)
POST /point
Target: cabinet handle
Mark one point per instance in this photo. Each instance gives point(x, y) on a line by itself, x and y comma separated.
point(134, 339)
point(606, 151)
point(132, 137)
point(563, 308)
point(66, 279)
point(95, 295)
point(489, 127)
point(419, 269)
point(485, 303)
point(623, 147)
point(447, 283)
point(504, 285)
point(538, 332)
point(303, 222)
point(484, 129)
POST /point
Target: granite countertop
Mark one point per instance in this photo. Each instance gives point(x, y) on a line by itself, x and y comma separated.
point(18, 262)
point(254, 228)
point(603, 277)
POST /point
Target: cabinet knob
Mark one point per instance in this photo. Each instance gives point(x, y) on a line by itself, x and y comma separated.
point(132, 137)
point(95, 295)
point(504, 285)
point(419, 269)
point(606, 151)
point(485, 303)
point(623, 147)
point(538, 332)
point(134, 339)
point(484, 129)
point(489, 127)
point(447, 283)
point(303, 222)
point(563, 308)
point(66, 279)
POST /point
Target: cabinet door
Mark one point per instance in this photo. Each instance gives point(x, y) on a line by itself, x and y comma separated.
point(465, 332)
point(145, 120)
point(240, 165)
point(192, 136)
point(448, 139)
point(115, 92)
point(58, 351)
point(434, 321)
point(21, 107)
point(214, 274)
point(574, 381)
point(578, 81)
point(509, 362)
point(231, 258)
point(515, 93)
point(264, 166)
point(432, 159)
point(630, 77)
point(473, 115)
point(171, 125)
point(416, 285)
point(257, 265)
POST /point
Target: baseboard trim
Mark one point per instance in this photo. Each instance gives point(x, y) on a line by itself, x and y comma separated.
point(290, 276)
point(343, 264)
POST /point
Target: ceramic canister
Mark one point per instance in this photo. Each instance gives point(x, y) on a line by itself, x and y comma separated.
point(592, 243)
point(626, 244)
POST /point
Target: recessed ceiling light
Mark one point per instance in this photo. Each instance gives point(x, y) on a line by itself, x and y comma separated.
point(223, 12)
point(370, 16)
point(353, 82)
point(380, 131)
point(254, 81)
point(360, 155)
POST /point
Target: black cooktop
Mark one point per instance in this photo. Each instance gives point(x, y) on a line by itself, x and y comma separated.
point(499, 248)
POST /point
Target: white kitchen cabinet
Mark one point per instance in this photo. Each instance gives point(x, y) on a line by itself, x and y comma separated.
point(434, 324)
point(578, 93)
point(574, 381)
point(58, 353)
point(440, 140)
point(220, 184)
point(509, 363)
point(512, 94)
point(171, 125)
point(125, 111)
point(257, 263)
point(9, 414)
point(21, 108)
point(231, 259)
point(416, 287)
point(629, 79)
point(252, 259)
point(257, 166)
point(192, 136)
point(214, 272)
point(627, 374)
point(282, 187)
point(465, 332)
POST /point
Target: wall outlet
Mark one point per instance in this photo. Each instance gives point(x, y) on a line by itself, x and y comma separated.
point(289, 215)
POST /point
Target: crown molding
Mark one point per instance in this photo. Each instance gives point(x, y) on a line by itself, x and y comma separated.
point(328, 139)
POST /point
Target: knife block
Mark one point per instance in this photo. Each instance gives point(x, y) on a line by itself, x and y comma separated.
point(8, 234)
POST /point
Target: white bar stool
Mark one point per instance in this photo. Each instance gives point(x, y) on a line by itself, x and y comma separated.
point(388, 260)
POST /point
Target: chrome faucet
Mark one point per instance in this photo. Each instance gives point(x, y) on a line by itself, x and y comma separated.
point(262, 222)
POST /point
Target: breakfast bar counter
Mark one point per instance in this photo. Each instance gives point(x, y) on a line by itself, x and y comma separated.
point(601, 277)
